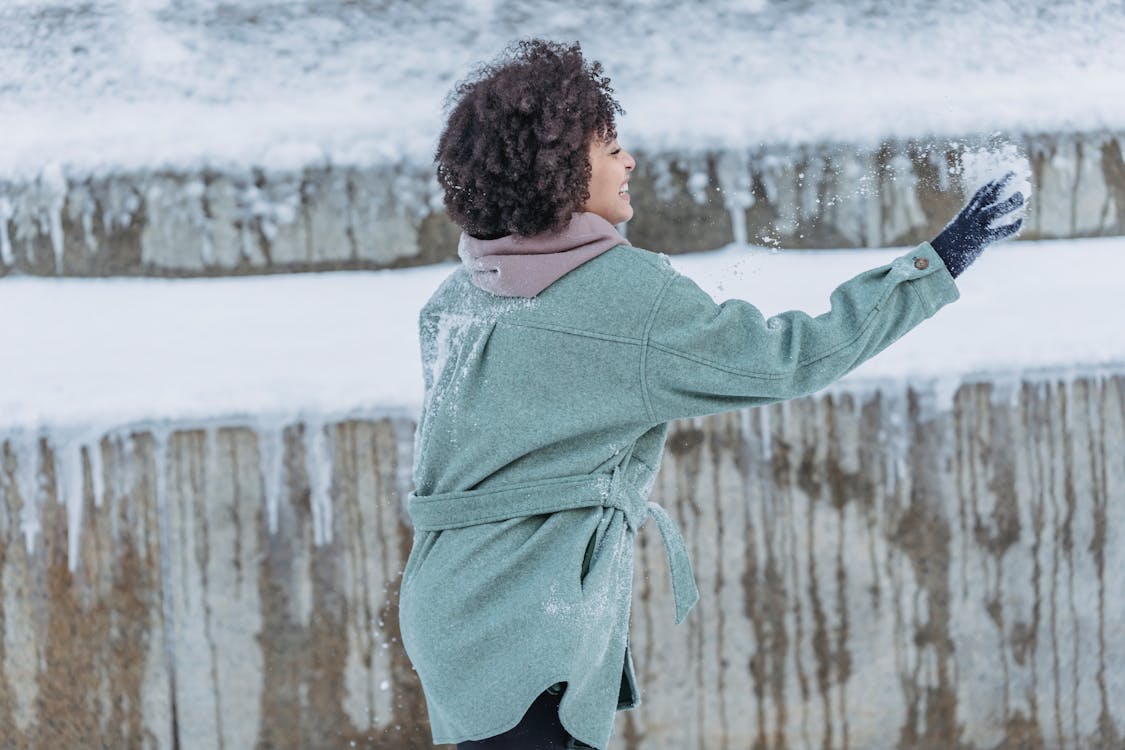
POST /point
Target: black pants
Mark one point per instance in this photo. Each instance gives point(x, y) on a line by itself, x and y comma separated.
point(539, 729)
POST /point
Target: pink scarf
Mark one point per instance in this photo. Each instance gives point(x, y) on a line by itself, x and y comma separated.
point(517, 266)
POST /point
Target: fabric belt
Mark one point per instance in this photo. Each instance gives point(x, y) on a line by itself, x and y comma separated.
point(455, 510)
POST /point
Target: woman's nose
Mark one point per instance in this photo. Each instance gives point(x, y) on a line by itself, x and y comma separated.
point(630, 162)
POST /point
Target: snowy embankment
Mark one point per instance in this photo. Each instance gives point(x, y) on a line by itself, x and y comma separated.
point(86, 356)
point(154, 138)
point(99, 88)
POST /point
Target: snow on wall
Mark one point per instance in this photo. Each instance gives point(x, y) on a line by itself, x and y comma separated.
point(210, 222)
point(91, 355)
point(66, 463)
point(332, 217)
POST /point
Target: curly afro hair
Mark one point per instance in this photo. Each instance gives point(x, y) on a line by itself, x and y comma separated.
point(514, 155)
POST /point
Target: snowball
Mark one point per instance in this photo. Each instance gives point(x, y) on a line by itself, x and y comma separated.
point(981, 165)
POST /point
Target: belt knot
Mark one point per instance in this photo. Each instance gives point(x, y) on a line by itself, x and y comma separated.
point(624, 496)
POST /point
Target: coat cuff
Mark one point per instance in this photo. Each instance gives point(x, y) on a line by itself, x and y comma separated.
point(929, 277)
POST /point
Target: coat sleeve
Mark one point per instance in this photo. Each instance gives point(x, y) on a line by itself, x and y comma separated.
point(703, 358)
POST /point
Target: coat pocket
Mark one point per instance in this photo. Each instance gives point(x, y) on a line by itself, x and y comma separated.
point(419, 549)
point(587, 557)
point(597, 536)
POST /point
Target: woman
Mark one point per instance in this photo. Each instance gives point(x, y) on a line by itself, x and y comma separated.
point(553, 361)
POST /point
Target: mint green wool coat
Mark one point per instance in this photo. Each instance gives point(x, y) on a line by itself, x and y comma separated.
point(540, 435)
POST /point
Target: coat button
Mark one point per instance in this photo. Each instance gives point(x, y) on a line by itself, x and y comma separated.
point(921, 264)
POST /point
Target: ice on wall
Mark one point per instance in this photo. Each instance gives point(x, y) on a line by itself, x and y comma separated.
point(68, 468)
point(738, 195)
point(28, 486)
point(79, 470)
point(270, 450)
point(200, 220)
point(71, 452)
point(318, 464)
point(53, 184)
point(6, 213)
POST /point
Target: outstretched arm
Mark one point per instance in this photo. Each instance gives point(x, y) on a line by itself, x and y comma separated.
point(703, 358)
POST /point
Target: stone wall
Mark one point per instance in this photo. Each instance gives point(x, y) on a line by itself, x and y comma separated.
point(217, 223)
point(878, 572)
point(878, 568)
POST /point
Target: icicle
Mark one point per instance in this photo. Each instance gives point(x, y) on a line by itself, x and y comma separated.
point(733, 169)
point(1006, 389)
point(27, 482)
point(160, 460)
point(945, 391)
point(937, 159)
point(120, 204)
point(6, 256)
point(662, 183)
point(53, 183)
point(808, 186)
point(697, 183)
point(120, 482)
point(936, 397)
point(318, 465)
point(270, 448)
point(68, 468)
point(80, 206)
point(88, 237)
point(897, 437)
point(768, 174)
point(97, 481)
point(195, 190)
point(248, 244)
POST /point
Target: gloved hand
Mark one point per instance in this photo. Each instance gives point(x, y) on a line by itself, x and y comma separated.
point(964, 238)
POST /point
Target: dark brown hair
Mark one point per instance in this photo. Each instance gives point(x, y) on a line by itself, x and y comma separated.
point(513, 157)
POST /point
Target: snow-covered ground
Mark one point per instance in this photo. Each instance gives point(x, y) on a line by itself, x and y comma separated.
point(85, 356)
point(103, 86)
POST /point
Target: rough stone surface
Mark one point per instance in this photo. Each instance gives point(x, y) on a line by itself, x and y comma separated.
point(336, 217)
point(185, 622)
point(878, 572)
point(877, 569)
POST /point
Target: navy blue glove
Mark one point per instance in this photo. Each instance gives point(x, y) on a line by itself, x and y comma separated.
point(965, 238)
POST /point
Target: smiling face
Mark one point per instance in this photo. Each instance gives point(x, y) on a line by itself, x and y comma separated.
point(610, 167)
